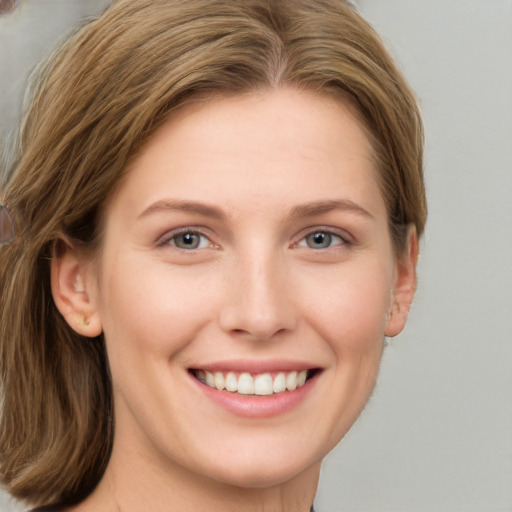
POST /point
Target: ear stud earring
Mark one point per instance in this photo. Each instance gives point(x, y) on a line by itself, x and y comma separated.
point(83, 321)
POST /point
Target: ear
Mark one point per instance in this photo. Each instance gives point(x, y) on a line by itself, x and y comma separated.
point(404, 285)
point(73, 289)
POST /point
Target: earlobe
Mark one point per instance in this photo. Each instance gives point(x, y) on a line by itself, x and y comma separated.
point(72, 290)
point(404, 286)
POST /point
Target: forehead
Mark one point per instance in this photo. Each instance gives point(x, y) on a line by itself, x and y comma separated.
point(279, 118)
point(265, 146)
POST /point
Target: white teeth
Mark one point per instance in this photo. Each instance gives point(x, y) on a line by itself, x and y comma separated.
point(231, 382)
point(218, 379)
point(247, 384)
point(209, 379)
point(301, 378)
point(263, 384)
point(279, 384)
point(291, 381)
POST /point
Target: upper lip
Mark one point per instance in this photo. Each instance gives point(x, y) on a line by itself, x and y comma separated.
point(255, 366)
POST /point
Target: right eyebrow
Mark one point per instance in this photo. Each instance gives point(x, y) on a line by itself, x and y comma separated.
point(173, 205)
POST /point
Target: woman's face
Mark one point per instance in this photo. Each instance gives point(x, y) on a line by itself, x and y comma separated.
point(248, 248)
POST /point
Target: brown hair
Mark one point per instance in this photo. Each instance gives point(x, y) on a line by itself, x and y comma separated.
point(97, 101)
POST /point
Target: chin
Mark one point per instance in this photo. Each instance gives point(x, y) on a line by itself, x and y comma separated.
point(253, 474)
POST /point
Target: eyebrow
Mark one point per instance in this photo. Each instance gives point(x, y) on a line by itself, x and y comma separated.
point(321, 207)
point(171, 205)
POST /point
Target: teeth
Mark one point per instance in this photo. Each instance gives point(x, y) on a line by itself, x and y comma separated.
point(247, 384)
point(209, 379)
point(218, 380)
point(291, 381)
point(231, 382)
point(279, 384)
point(301, 378)
point(263, 384)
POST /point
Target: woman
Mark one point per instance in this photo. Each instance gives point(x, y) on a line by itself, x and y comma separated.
point(218, 207)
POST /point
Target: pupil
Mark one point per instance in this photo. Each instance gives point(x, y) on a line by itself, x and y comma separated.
point(320, 240)
point(188, 239)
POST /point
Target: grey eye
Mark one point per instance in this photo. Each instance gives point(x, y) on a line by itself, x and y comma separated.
point(189, 240)
point(319, 240)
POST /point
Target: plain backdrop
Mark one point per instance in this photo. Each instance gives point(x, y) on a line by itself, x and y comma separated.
point(437, 434)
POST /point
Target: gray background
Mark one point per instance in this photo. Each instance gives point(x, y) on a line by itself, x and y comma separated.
point(437, 434)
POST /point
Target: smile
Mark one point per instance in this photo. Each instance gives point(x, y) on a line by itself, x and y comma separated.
point(260, 384)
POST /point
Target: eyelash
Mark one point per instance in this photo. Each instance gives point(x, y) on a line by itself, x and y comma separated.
point(170, 239)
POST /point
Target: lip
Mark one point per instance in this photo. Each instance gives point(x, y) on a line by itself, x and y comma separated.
point(254, 406)
point(254, 367)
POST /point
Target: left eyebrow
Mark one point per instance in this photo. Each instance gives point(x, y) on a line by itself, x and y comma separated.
point(321, 207)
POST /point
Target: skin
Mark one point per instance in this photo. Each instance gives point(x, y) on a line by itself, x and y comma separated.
point(276, 167)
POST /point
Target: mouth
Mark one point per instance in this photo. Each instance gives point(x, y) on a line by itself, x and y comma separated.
point(257, 384)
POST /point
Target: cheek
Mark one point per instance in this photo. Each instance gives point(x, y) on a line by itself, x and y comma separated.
point(350, 311)
point(152, 308)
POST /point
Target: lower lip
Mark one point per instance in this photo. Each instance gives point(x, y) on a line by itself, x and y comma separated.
point(256, 406)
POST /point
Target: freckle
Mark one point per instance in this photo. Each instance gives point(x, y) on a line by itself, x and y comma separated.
point(7, 6)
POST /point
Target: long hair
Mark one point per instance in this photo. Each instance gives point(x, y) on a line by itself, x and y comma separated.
point(96, 102)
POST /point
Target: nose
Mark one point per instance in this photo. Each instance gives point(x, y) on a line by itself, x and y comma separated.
point(258, 301)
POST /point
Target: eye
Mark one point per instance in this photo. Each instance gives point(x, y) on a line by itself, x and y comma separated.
point(321, 240)
point(189, 240)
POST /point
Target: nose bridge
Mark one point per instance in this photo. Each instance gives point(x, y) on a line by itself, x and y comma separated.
point(258, 301)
